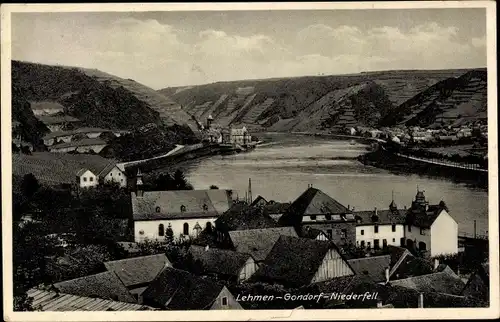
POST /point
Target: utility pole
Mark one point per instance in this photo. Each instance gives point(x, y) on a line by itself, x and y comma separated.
point(250, 190)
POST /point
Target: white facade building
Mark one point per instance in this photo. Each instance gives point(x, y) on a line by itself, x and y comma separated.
point(186, 212)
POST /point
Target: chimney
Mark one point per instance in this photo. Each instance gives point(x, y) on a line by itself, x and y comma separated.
point(436, 263)
point(421, 301)
point(376, 212)
point(348, 207)
point(387, 274)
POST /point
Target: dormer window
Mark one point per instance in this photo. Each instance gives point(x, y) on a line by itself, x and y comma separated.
point(183, 208)
point(158, 209)
point(205, 207)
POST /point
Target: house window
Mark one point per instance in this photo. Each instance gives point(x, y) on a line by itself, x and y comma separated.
point(376, 243)
point(313, 217)
point(422, 231)
point(85, 179)
point(369, 245)
point(402, 241)
point(376, 229)
point(343, 233)
point(186, 229)
point(393, 227)
point(111, 174)
point(329, 233)
point(141, 232)
point(328, 217)
point(205, 207)
point(91, 179)
point(384, 243)
point(183, 208)
point(119, 174)
point(224, 301)
point(363, 244)
point(409, 228)
point(161, 230)
point(394, 240)
point(157, 209)
point(362, 231)
point(422, 246)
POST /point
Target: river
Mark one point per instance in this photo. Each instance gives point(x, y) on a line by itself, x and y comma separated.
point(283, 167)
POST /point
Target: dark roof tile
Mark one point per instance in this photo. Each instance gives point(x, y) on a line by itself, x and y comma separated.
point(219, 261)
point(138, 270)
point(371, 267)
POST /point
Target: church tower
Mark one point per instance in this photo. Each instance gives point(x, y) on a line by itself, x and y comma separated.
point(393, 207)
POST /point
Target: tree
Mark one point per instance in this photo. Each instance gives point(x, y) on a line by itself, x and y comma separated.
point(213, 187)
point(29, 185)
point(181, 182)
point(169, 234)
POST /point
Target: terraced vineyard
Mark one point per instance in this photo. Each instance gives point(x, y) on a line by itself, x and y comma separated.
point(324, 103)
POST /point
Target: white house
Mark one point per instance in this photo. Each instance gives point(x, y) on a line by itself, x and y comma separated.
point(431, 228)
point(380, 228)
point(186, 212)
point(68, 169)
point(238, 136)
point(423, 227)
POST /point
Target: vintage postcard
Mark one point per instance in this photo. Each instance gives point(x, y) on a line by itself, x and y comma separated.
point(268, 161)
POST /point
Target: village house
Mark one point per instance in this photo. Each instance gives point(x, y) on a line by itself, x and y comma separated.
point(81, 146)
point(46, 108)
point(58, 122)
point(446, 282)
point(61, 302)
point(313, 233)
point(258, 242)
point(175, 289)
point(241, 217)
point(239, 136)
point(67, 136)
point(296, 262)
point(104, 285)
point(223, 264)
point(378, 228)
point(68, 170)
point(185, 212)
point(137, 272)
point(430, 228)
point(317, 210)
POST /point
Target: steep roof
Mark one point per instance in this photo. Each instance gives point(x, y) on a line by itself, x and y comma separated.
point(259, 242)
point(381, 217)
point(276, 208)
point(312, 202)
point(257, 200)
point(175, 289)
point(424, 219)
point(441, 282)
point(409, 266)
point(138, 270)
point(83, 142)
point(220, 261)
point(197, 203)
point(53, 301)
point(241, 216)
point(64, 167)
point(104, 285)
point(373, 268)
point(293, 261)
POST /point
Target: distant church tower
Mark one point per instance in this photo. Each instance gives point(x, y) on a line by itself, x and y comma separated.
point(210, 120)
point(393, 207)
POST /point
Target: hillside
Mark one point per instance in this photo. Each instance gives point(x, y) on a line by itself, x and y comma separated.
point(449, 102)
point(312, 103)
point(97, 99)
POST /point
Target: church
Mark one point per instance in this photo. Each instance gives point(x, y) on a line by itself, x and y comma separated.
point(181, 213)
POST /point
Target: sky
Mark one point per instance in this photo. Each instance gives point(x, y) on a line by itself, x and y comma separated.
point(163, 49)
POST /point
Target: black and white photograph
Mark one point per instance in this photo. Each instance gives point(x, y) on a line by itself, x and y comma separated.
point(278, 160)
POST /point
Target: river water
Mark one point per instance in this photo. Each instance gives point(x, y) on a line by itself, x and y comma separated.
point(285, 164)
